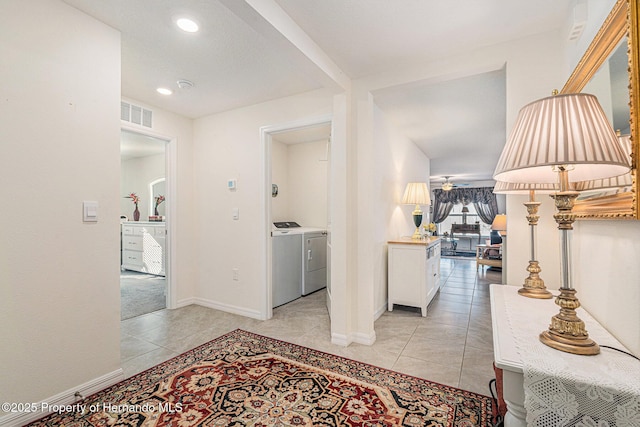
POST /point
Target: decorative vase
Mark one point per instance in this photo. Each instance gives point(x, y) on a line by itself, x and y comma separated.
point(136, 214)
point(155, 211)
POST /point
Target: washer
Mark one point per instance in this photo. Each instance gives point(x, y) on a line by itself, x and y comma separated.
point(299, 264)
point(286, 266)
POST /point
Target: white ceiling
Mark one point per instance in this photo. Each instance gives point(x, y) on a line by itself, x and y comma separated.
point(239, 59)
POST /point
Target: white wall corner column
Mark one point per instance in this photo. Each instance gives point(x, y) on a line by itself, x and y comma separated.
point(363, 312)
point(339, 204)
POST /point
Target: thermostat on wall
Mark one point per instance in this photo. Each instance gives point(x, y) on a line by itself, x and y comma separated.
point(231, 185)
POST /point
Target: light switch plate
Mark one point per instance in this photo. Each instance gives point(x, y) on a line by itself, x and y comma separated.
point(90, 211)
point(236, 213)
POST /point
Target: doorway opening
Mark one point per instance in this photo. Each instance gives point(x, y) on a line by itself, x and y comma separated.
point(143, 224)
point(297, 170)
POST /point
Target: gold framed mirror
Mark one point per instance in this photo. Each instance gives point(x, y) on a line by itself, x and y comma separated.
point(619, 29)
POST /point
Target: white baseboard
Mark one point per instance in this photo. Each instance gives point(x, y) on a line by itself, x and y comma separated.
point(65, 398)
point(254, 314)
point(380, 311)
point(340, 339)
point(365, 339)
point(185, 302)
point(357, 337)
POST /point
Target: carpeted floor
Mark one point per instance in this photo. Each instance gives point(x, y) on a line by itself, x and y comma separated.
point(141, 293)
point(242, 379)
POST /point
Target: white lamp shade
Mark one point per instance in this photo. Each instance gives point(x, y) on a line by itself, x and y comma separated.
point(569, 129)
point(621, 181)
point(524, 188)
point(416, 193)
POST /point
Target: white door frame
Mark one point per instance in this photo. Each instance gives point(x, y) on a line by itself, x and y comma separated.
point(171, 209)
point(265, 136)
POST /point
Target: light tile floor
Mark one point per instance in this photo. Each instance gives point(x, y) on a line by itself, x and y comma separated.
point(453, 345)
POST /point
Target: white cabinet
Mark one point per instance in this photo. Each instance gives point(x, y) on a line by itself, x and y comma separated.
point(413, 272)
point(143, 247)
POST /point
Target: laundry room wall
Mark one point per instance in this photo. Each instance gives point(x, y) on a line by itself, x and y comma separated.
point(300, 171)
point(307, 166)
point(279, 176)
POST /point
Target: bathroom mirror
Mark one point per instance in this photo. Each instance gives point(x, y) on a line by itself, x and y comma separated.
point(600, 72)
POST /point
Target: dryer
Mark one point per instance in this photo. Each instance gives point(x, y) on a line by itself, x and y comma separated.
point(299, 261)
point(314, 260)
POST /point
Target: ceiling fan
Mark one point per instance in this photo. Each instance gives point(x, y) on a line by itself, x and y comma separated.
point(448, 185)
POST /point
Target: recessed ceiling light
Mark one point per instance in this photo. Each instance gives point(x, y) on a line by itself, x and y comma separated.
point(164, 91)
point(186, 24)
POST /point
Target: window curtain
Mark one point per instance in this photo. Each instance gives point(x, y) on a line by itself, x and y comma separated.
point(482, 198)
point(441, 209)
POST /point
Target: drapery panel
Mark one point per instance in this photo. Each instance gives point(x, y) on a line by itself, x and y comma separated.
point(482, 198)
point(441, 210)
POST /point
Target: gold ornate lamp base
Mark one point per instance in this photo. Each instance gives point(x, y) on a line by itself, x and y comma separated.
point(533, 285)
point(566, 331)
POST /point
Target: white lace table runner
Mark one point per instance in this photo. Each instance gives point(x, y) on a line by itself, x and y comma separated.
point(563, 389)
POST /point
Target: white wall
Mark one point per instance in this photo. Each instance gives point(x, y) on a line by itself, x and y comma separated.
point(607, 276)
point(280, 177)
point(307, 166)
point(59, 133)
point(301, 171)
point(136, 175)
point(397, 161)
point(228, 145)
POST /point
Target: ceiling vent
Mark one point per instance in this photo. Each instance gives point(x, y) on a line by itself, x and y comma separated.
point(136, 114)
point(579, 22)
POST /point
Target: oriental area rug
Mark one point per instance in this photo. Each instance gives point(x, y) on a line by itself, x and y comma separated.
point(244, 379)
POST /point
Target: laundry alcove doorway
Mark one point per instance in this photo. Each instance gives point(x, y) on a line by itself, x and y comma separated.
point(297, 169)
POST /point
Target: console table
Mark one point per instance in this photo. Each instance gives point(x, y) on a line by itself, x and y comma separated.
point(466, 229)
point(414, 272)
point(560, 388)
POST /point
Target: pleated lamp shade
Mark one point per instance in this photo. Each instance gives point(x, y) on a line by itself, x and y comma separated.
point(620, 181)
point(569, 129)
point(416, 193)
point(524, 188)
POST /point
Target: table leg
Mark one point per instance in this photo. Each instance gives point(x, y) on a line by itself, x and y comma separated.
point(513, 389)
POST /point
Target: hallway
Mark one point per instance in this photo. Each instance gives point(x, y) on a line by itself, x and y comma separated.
point(453, 345)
